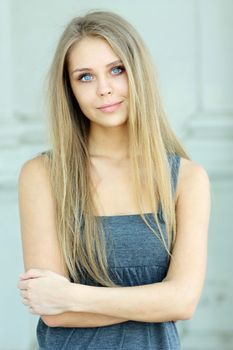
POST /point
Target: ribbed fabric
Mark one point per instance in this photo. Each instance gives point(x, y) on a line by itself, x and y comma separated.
point(136, 257)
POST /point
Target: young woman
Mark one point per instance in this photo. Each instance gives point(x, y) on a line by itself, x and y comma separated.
point(114, 217)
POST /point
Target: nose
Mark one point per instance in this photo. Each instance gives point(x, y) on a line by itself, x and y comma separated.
point(104, 88)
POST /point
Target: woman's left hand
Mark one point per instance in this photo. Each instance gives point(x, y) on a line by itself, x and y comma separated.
point(44, 292)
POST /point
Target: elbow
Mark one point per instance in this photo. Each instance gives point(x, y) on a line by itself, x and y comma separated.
point(188, 310)
point(51, 321)
point(185, 303)
point(187, 314)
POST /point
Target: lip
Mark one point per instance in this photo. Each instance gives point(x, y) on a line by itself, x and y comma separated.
point(110, 107)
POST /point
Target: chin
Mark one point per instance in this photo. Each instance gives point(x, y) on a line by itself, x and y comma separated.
point(116, 123)
point(111, 122)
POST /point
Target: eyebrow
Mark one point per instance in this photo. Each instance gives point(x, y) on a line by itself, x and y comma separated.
point(90, 69)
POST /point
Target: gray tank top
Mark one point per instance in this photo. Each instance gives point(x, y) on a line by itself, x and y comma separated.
point(136, 257)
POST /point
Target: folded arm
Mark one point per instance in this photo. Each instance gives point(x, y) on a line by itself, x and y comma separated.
point(174, 298)
point(80, 320)
point(39, 239)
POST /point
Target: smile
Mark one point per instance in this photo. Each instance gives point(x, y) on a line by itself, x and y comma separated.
point(108, 108)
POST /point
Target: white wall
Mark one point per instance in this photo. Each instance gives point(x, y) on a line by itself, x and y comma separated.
point(191, 43)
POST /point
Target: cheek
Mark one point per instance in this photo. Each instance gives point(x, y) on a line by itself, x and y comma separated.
point(85, 101)
point(83, 97)
point(124, 86)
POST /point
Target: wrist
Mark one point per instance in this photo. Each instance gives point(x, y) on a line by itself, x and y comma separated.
point(78, 295)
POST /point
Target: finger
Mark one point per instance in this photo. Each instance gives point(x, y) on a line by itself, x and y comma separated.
point(32, 311)
point(25, 301)
point(24, 294)
point(23, 277)
point(32, 273)
point(22, 285)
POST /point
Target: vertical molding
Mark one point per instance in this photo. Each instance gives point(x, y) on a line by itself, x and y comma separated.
point(198, 39)
point(21, 136)
point(208, 136)
point(5, 59)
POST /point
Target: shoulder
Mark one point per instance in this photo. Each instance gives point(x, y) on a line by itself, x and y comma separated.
point(192, 177)
point(34, 171)
point(34, 166)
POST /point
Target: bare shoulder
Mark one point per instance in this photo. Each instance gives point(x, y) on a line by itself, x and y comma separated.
point(35, 166)
point(35, 171)
point(38, 217)
point(35, 193)
point(193, 206)
point(192, 177)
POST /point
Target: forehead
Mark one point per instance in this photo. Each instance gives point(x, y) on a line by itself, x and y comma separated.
point(91, 52)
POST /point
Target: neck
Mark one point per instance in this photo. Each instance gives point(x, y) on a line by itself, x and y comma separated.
point(109, 142)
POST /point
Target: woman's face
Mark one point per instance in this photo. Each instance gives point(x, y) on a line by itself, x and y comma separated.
point(99, 82)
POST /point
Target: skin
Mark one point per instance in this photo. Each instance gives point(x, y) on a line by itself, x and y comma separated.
point(102, 84)
point(44, 287)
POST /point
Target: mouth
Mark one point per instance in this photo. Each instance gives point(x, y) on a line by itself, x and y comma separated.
point(111, 107)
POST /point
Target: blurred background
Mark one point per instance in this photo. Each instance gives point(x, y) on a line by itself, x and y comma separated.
point(192, 47)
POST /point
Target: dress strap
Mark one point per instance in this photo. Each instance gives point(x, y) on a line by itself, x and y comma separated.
point(174, 161)
point(48, 153)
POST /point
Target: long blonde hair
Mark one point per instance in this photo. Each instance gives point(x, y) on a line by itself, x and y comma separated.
point(81, 235)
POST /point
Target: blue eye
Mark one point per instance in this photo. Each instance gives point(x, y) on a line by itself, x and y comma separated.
point(85, 77)
point(118, 70)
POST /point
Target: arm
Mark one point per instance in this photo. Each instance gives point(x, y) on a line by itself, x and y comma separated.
point(81, 320)
point(39, 239)
point(177, 296)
